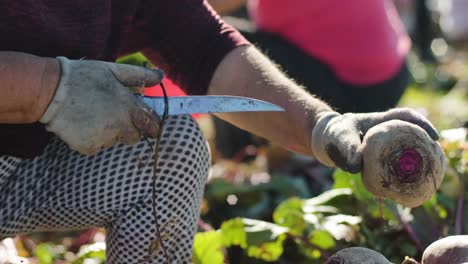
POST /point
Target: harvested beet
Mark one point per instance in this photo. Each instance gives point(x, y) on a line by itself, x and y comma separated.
point(449, 250)
point(401, 162)
point(357, 255)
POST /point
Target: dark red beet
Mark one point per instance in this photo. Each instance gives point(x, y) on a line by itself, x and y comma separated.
point(448, 250)
point(401, 162)
point(357, 255)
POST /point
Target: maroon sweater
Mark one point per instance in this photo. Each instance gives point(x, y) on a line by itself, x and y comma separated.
point(185, 38)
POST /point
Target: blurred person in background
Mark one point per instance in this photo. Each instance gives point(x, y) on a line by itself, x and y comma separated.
point(417, 16)
point(351, 54)
point(453, 20)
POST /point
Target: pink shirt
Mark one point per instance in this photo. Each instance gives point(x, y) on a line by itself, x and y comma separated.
point(363, 41)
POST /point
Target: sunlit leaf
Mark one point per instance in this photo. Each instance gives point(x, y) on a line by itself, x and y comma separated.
point(367, 200)
point(310, 253)
point(96, 251)
point(261, 239)
point(269, 251)
point(208, 248)
point(454, 135)
point(133, 59)
point(322, 239)
point(95, 257)
point(233, 233)
point(330, 202)
point(344, 219)
point(45, 253)
point(342, 227)
point(259, 232)
point(313, 209)
point(352, 181)
point(313, 219)
point(289, 214)
point(327, 196)
point(381, 210)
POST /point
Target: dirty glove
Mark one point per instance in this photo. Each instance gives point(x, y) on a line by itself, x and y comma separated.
point(92, 107)
point(336, 138)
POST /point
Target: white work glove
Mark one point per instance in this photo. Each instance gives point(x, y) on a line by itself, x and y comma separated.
point(93, 107)
point(336, 138)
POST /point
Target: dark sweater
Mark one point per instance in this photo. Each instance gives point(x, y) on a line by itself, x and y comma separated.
point(185, 38)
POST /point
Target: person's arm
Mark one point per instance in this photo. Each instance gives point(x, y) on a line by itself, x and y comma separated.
point(86, 103)
point(308, 125)
point(247, 72)
point(27, 85)
point(225, 7)
point(199, 51)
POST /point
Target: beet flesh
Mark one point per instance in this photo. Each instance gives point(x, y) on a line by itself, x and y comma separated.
point(409, 164)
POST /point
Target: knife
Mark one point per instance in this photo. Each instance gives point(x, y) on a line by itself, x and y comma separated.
point(181, 105)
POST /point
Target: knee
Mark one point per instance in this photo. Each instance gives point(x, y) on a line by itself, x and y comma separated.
point(184, 156)
point(182, 169)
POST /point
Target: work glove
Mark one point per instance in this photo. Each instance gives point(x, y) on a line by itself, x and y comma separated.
point(93, 107)
point(336, 138)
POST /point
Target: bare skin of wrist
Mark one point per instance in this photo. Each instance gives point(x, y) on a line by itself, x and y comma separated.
point(225, 7)
point(247, 72)
point(27, 86)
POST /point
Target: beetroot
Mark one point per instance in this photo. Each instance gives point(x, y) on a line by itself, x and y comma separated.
point(401, 162)
point(449, 250)
point(357, 255)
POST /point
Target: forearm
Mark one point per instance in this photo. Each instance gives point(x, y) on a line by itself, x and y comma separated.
point(246, 72)
point(225, 7)
point(27, 85)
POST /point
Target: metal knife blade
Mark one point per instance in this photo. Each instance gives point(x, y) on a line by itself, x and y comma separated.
point(180, 105)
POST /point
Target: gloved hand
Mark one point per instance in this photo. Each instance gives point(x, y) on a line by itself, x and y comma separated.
point(336, 138)
point(92, 107)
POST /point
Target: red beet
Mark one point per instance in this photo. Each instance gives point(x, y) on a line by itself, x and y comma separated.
point(357, 255)
point(449, 250)
point(402, 162)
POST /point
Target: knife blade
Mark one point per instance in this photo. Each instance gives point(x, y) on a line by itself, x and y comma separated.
point(198, 104)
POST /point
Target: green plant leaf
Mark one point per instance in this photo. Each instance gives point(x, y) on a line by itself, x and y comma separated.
point(133, 59)
point(233, 233)
point(367, 201)
point(269, 251)
point(322, 239)
point(208, 248)
point(96, 256)
point(352, 181)
point(260, 232)
point(327, 196)
point(342, 227)
point(94, 251)
point(289, 214)
point(330, 202)
point(45, 253)
point(310, 253)
point(262, 240)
